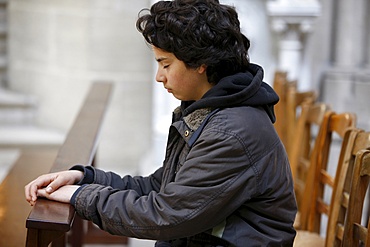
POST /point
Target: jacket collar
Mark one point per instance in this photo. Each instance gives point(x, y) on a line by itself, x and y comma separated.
point(194, 119)
point(193, 124)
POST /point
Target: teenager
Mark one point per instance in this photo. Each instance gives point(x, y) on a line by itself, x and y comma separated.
point(225, 179)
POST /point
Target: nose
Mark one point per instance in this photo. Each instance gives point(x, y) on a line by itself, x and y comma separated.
point(160, 76)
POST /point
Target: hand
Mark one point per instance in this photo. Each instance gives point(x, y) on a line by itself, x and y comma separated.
point(51, 182)
point(63, 194)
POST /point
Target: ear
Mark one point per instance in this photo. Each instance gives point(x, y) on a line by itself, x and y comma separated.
point(201, 69)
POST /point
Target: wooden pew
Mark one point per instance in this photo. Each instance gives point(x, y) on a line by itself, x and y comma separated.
point(49, 221)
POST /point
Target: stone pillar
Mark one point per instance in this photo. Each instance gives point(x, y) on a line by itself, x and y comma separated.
point(3, 43)
point(290, 49)
point(362, 79)
point(292, 20)
point(343, 84)
point(348, 41)
point(367, 31)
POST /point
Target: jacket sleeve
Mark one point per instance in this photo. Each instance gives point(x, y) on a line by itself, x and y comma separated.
point(214, 180)
point(142, 185)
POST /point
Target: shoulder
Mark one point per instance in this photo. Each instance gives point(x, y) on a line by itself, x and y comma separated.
point(245, 118)
point(251, 127)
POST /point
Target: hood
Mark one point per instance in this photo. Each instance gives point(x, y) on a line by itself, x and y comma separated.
point(241, 89)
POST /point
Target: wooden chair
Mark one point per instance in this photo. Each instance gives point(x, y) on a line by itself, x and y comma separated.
point(348, 197)
point(294, 101)
point(288, 106)
point(280, 86)
point(319, 177)
point(313, 206)
point(308, 124)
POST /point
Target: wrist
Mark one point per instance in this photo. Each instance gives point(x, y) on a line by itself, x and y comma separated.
point(77, 175)
point(88, 174)
point(72, 201)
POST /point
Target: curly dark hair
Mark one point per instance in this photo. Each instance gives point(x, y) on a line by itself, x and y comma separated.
point(197, 32)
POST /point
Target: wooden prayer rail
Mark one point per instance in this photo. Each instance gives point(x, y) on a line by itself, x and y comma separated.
point(14, 209)
point(49, 221)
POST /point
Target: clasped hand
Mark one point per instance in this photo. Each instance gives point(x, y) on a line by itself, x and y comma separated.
point(57, 186)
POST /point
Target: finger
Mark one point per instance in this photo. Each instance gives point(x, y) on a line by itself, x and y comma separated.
point(29, 198)
point(55, 184)
point(42, 193)
point(41, 182)
point(27, 194)
point(34, 186)
point(33, 191)
point(28, 190)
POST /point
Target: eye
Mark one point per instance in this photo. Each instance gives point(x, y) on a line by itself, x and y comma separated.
point(166, 66)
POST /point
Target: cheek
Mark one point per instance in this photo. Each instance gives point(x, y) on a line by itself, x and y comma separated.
point(180, 82)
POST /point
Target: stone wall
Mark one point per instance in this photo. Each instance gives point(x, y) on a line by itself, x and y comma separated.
point(346, 81)
point(57, 49)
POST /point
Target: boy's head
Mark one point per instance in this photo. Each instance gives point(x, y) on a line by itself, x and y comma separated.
point(198, 32)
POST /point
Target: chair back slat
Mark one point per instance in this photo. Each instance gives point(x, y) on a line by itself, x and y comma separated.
point(355, 233)
point(279, 85)
point(354, 141)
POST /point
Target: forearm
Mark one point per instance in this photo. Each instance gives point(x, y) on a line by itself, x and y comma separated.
point(177, 211)
point(142, 185)
point(128, 214)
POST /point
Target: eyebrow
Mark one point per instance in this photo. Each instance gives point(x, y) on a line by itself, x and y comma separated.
point(160, 59)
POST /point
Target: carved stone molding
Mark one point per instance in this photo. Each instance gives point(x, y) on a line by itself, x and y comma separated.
point(286, 13)
point(292, 20)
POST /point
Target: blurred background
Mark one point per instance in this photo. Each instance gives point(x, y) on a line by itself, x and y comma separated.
point(52, 50)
